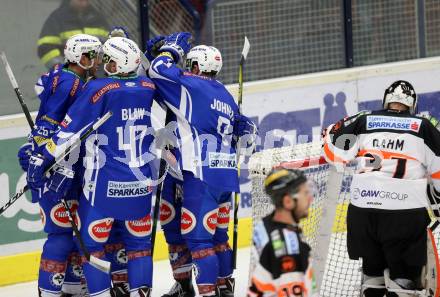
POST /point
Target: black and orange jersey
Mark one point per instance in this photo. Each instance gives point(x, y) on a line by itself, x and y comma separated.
point(283, 268)
point(395, 155)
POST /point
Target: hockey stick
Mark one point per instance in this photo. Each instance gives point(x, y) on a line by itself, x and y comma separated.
point(162, 170)
point(244, 54)
point(94, 261)
point(17, 89)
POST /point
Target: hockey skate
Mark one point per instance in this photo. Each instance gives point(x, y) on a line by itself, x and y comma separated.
point(183, 288)
point(227, 289)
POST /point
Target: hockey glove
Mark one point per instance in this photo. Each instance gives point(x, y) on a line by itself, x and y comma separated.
point(153, 46)
point(244, 126)
point(35, 173)
point(60, 182)
point(43, 132)
point(118, 31)
point(177, 44)
point(24, 153)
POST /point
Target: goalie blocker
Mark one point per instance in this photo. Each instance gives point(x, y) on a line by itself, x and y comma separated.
point(387, 216)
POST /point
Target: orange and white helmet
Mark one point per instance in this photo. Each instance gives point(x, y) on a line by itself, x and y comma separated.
point(208, 58)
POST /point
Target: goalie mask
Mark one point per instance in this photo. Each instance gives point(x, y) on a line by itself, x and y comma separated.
point(280, 182)
point(208, 58)
point(401, 92)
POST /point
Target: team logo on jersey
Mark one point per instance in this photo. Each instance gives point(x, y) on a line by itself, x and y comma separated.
point(187, 222)
point(130, 84)
point(167, 212)
point(59, 216)
point(121, 256)
point(148, 85)
point(57, 279)
point(43, 217)
point(104, 90)
point(210, 221)
point(116, 189)
point(66, 121)
point(223, 215)
point(393, 123)
point(139, 228)
point(99, 230)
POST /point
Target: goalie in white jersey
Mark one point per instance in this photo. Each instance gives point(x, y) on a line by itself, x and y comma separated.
point(397, 155)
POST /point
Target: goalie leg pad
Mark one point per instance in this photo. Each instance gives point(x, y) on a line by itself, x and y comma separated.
point(400, 287)
point(373, 286)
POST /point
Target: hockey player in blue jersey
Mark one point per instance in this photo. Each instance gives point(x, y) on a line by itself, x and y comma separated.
point(207, 119)
point(57, 90)
point(117, 179)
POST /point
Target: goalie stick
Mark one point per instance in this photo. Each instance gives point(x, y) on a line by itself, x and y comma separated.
point(94, 261)
point(244, 54)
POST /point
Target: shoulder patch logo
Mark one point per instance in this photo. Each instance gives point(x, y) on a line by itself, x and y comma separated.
point(148, 85)
point(104, 90)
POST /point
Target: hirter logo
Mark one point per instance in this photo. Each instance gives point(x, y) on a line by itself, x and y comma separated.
point(99, 230)
point(210, 221)
point(167, 212)
point(187, 222)
point(59, 216)
point(223, 215)
point(139, 228)
point(415, 126)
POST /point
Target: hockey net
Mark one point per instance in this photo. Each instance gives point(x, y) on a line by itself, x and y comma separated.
point(325, 228)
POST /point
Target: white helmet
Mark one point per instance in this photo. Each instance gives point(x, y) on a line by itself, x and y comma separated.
point(124, 52)
point(208, 58)
point(80, 44)
point(402, 92)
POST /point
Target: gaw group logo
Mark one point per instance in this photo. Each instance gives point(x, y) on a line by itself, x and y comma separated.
point(363, 193)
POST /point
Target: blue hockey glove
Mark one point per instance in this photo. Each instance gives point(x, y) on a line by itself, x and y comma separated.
point(178, 44)
point(24, 153)
point(153, 46)
point(35, 173)
point(59, 182)
point(244, 126)
point(118, 31)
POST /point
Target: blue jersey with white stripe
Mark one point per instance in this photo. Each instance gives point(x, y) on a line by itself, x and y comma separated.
point(117, 175)
point(205, 112)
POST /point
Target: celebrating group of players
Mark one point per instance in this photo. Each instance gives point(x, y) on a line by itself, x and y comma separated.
point(108, 181)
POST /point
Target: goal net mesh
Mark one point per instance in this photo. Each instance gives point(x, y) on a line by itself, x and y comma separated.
point(325, 228)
